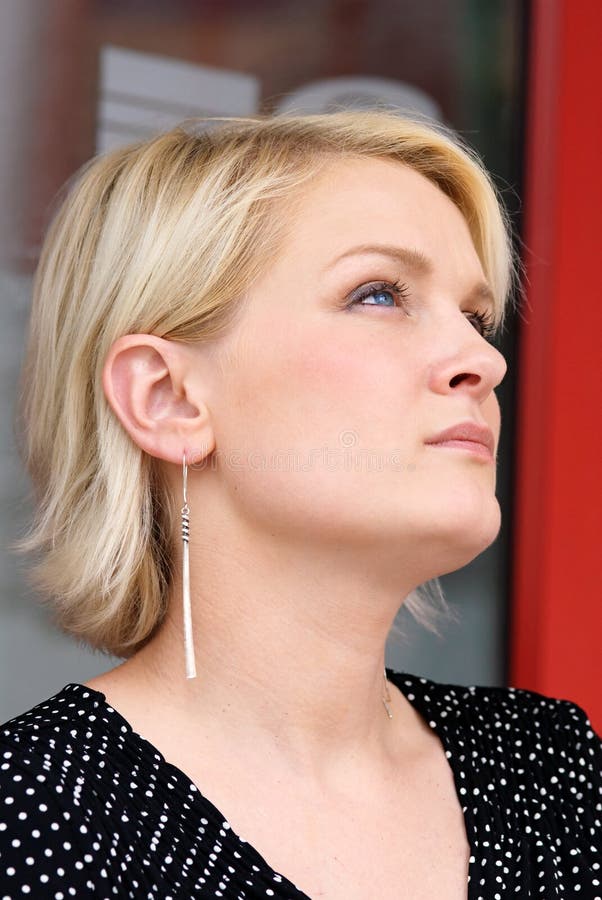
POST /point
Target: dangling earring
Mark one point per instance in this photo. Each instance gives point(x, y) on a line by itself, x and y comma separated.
point(188, 642)
point(387, 696)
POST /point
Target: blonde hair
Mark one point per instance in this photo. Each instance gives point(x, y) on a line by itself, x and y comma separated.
point(164, 237)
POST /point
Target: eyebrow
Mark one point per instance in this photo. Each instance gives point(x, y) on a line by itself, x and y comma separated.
point(414, 260)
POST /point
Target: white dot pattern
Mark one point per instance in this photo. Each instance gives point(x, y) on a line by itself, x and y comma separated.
point(89, 807)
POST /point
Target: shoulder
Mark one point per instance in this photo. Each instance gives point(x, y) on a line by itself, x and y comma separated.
point(504, 710)
point(528, 744)
point(50, 740)
point(525, 729)
point(546, 722)
point(47, 836)
point(60, 745)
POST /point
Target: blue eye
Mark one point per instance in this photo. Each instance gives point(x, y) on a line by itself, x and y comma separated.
point(380, 298)
point(378, 293)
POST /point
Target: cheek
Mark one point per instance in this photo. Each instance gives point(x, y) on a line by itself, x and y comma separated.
point(310, 422)
point(310, 387)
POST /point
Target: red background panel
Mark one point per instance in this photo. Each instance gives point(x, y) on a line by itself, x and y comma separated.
point(556, 612)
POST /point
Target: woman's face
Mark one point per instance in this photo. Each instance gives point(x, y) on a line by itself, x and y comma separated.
point(323, 408)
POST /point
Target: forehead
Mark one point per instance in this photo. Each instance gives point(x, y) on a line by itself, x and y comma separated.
point(360, 201)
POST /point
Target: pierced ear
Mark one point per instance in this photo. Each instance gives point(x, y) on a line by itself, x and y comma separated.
point(144, 379)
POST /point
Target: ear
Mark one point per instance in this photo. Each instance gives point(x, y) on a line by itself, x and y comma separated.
point(149, 384)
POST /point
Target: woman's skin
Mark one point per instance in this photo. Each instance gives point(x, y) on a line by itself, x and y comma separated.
point(299, 561)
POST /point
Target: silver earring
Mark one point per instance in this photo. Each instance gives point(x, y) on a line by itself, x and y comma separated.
point(387, 695)
point(188, 641)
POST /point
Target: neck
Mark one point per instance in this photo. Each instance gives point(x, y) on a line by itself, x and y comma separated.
point(296, 667)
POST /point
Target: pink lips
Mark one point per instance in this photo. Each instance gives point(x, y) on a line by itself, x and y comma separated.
point(467, 435)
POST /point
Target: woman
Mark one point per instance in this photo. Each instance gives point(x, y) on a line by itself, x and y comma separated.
point(259, 412)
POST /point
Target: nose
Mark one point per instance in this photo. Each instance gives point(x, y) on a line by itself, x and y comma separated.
point(476, 367)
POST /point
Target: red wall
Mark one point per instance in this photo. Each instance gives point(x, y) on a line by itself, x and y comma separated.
point(556, 613)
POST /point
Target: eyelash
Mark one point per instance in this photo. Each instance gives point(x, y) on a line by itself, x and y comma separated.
point(485, 320)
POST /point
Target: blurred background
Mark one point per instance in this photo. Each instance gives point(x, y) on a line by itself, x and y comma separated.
point(520, 81)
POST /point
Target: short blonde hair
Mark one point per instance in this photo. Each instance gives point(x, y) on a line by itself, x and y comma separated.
point(164, 237)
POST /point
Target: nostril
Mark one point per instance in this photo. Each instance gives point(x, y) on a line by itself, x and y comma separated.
point(457, 378)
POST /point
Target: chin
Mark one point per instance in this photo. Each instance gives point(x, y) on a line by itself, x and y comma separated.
point(482, 531)
point(468, 530)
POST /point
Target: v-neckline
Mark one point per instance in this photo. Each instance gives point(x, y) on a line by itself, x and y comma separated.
point(407, 683)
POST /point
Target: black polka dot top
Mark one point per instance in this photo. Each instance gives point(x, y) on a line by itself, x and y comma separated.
point(90, 808)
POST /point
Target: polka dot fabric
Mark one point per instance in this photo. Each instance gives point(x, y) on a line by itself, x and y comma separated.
point(90, 808)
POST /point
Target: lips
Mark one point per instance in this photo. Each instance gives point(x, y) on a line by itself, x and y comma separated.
point(466, 431)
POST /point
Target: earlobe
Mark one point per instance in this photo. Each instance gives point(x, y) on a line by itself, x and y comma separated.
point(144, 382)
